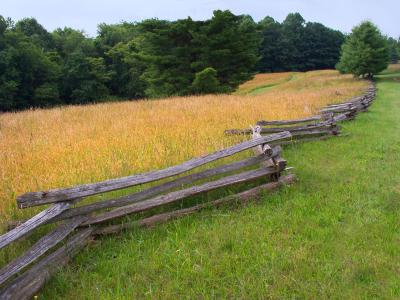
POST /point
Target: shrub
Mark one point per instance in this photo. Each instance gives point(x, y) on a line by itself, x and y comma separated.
point(206, 82)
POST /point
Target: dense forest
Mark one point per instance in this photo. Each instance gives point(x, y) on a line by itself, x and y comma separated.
point(155, 58)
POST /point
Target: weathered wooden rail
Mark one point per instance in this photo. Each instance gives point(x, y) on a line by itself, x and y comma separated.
point(25, 275)
point(75, 225)
point(317, 127)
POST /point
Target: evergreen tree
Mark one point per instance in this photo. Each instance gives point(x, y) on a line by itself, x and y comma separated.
point(165, 47)
point(294, 43)
point(322, 49)
point(229, 44)
point(394, 50)
point(364, 52)
point(206, 82)
point(271, 54)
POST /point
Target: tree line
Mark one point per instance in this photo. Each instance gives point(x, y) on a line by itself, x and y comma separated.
point(154, 58)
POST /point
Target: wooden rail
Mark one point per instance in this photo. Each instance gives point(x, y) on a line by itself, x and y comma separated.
point(48, 254)
point(316, 127)
point(31, 224)
point(67, 194)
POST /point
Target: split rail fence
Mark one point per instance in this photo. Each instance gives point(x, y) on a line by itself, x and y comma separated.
point(321, 126)
point(76, 224)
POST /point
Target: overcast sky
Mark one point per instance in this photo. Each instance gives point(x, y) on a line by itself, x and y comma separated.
point(86, 14)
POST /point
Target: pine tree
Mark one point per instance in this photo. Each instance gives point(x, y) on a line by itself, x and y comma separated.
point(364, 52)
point(206, 82)
point(394, 47)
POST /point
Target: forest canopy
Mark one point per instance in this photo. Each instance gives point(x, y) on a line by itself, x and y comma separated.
point(155, 58)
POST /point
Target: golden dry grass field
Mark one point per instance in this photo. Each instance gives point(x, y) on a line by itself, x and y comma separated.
point(59, 147)
point(393, 68)
point(264, 81)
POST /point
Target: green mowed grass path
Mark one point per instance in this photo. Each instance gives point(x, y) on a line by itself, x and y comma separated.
point(334, 234)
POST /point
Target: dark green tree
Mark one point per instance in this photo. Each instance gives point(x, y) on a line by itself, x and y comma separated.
point(109, 35)
point(206, 82)
point(36, 32)
point(117, 45)
point(84, 73)
point(84, 79)
point(68, 41)
point(322, 49)
point(364, 52)
point(296, 45)
point(394, 50)
point(165, 48)
point(126, 70)
point(271, 54)
point(294, 42)
point(28, 76)
point(229, 44)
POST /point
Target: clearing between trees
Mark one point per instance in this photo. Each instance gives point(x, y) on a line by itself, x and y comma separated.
point(308, 240)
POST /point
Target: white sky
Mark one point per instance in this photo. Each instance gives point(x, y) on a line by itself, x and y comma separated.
point(87, 14)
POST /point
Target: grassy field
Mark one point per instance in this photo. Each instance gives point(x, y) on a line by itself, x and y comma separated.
point(262, 82)
point(333, 234)
point(42, 149)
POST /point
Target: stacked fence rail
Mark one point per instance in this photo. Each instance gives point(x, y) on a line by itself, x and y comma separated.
point(76, 225)
point(318, 127)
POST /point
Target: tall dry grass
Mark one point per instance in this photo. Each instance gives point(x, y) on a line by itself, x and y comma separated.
point(42, 149)
point(392, 68)
point(264, 80)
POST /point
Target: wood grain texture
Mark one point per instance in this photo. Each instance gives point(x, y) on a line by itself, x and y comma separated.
point(181, 194)
point(253, 194)
point(343, 117)
point(339, 109)
point(291, 129)
point(33, 223)
point(39, 248)
point(29, 283)
point(316, 132)
point(156, 190)
point(290, 122)
point(66, 194)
